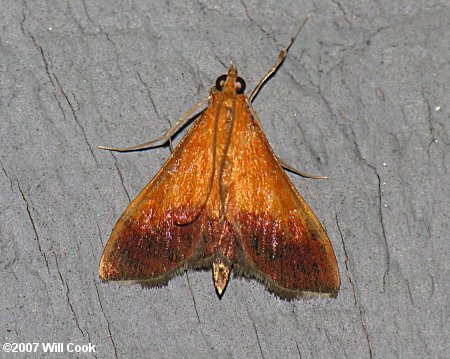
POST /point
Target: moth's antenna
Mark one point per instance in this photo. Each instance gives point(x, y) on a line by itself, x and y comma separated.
point(279, 60)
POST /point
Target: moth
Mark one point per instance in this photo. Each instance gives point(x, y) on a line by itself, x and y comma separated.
point(222, 201)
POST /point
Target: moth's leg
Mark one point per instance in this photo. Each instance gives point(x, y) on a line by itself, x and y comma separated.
point(163, 139)
point(279, 60)
point(283, 164)
point(170, 138)
point(298, 172)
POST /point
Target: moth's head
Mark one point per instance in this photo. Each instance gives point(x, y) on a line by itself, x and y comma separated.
point(231, 83)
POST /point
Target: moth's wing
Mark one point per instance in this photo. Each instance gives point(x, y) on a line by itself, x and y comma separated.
point(282, 241)
point(159, 233)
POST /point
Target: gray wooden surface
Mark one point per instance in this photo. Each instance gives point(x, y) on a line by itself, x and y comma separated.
point(363, 98)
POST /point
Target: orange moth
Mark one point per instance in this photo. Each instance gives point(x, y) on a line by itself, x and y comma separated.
point(222, 201)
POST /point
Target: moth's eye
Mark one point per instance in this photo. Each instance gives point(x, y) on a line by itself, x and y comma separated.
point(240, 85)
point(220, 82)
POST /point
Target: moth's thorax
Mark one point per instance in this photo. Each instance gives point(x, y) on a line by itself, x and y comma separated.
point(226, 110)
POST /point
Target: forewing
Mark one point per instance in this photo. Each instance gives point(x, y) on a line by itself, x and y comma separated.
point(159, 232)
point(282, 242)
